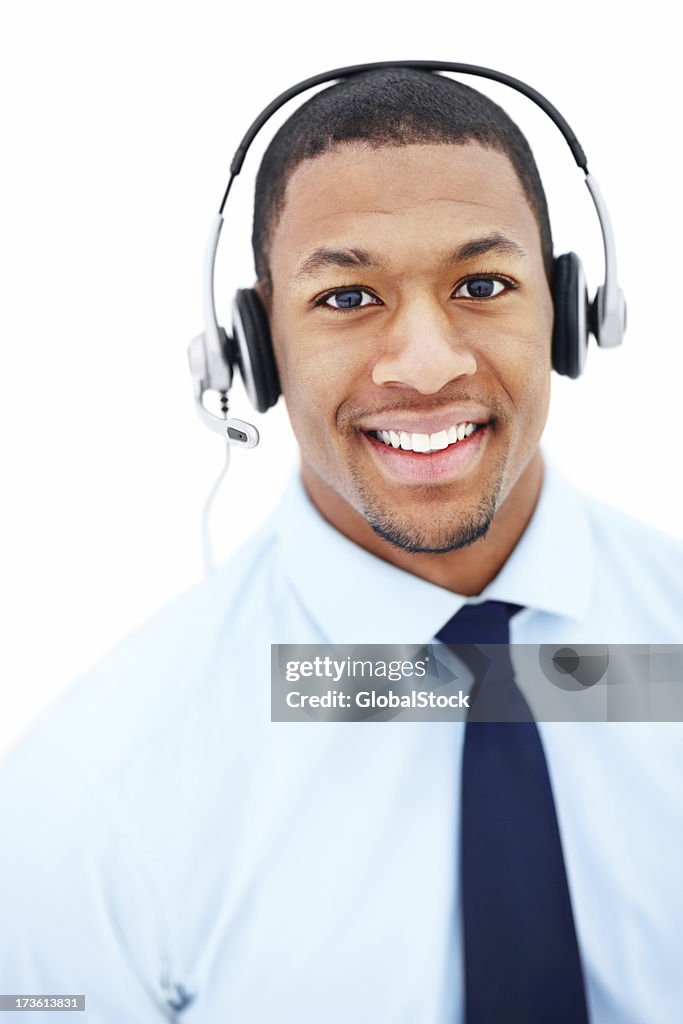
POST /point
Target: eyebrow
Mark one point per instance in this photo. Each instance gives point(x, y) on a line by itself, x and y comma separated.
point(323, 257)
point(481, 246)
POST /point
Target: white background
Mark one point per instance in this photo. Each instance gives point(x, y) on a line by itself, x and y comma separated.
point(118, 127)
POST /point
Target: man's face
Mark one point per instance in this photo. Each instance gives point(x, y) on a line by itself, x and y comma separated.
point(412, 319)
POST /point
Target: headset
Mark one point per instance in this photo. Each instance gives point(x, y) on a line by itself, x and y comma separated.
point(214, 354)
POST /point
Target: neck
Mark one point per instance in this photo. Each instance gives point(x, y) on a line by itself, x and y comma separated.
point(465, 571)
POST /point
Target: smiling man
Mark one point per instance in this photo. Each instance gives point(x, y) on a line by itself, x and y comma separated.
point(172, 853)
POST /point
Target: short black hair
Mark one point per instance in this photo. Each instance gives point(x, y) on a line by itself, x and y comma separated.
point(390, 107)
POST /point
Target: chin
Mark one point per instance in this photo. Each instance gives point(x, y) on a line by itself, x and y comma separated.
point(433, 518)
point(433, 533)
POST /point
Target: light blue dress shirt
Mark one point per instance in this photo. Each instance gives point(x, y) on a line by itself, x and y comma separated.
point(165, 845)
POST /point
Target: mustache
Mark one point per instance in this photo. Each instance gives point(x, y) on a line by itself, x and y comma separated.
point(350, 413)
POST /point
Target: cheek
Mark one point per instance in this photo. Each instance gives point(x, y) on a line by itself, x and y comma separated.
point(532, 386)
point(521, 363)
point(316, 372)
point(310, 398)
point(532, 392)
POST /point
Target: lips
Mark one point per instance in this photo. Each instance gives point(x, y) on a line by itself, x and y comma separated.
point(434, 466)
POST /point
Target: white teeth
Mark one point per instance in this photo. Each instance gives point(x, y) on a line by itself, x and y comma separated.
point(438, 441)
point(420, 442)
point(424, 443)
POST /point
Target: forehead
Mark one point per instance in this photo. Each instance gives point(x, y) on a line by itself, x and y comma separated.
point(406, 202)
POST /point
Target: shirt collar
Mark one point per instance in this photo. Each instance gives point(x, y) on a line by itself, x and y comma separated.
point(551, 568)
point(357, 598)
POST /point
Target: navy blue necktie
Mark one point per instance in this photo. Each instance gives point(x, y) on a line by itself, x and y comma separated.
point(522, 962)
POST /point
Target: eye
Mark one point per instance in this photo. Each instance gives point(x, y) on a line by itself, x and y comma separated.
point(347, 298)
point(484, 287)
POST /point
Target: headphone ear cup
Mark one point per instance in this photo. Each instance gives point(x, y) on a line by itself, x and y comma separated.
point(570, 331)
point(253, 349)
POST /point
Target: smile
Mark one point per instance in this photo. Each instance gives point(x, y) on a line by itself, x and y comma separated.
point(424, 443)
point(421, 458)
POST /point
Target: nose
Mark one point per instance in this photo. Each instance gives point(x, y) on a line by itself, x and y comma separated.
point(422, 349)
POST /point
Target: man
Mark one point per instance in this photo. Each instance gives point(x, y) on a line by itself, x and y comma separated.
point(172, 853)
